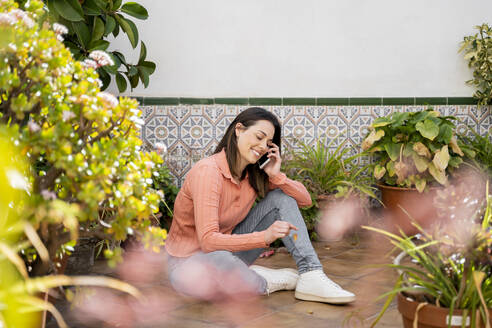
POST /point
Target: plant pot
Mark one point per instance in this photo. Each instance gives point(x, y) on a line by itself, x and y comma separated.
point(402, 205)
point(431, 316)
point(325, 200)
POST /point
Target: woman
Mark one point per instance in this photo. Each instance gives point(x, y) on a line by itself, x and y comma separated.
point(215, 229)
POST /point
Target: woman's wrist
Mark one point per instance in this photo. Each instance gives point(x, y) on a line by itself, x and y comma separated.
point(277, 178)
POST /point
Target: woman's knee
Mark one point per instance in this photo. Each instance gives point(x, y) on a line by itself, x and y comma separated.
point(281, 198)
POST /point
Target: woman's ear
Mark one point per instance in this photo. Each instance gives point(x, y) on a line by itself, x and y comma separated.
point(239, 127)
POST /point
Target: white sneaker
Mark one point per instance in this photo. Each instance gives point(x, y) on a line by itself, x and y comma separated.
point(316, 286)
point(277, 279)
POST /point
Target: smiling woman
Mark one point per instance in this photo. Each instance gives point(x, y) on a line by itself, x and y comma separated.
point(216, 234)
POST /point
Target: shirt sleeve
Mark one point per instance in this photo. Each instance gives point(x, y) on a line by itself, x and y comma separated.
point(292, 188)
point(206, 188)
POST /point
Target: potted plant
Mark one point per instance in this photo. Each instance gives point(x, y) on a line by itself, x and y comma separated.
point(446, 273)
point(414, 152)
point(328, 176)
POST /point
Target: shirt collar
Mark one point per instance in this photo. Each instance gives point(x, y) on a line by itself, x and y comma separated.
point(221, 160)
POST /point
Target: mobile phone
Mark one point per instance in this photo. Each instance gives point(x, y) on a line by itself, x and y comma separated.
point(263, 161)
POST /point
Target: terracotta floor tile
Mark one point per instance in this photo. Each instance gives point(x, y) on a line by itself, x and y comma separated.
point(224, 313)
point(279, 300)
point(289, 320)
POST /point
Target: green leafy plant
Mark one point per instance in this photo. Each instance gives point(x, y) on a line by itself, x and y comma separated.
point(326, 172)
point(164, 182)
point(481, 148)
point(450, 266)
point(89, 176)
point(20, 302)
point(414, 148)
point(478, 53)
point(90, 23)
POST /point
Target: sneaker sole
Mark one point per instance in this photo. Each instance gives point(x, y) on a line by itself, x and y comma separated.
point(332, 300)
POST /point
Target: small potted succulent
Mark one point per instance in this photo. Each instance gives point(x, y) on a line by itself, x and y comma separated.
point(328, 175)
point(414, 152)
point(446, 272)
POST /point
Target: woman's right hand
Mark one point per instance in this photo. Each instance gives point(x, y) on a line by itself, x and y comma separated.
point(278, 229)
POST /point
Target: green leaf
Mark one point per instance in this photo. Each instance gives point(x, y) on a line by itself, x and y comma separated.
point(130, 29)
point(398, 119)
point(455, 161)
point(381, 121)
point(144, 76)
point(428, 129)
point(91, 8)
point(439, 175)
point(374, 136)
point(110, 25)
point(98, 45)
point(150, 66)
point(135, 10)
point(83, 34)
point(52, 10)
point(121, 82)
point(420, 184)
point(445, 133)
point(393, 150)
point(116, 30)
point(421, 149)
point(134, 81)
point(132, 71)
point(421, 163)
point(441, 158)
point(97, 29)
point(143, 52)
point(390, 166)
point(69, 9)
point(379, 171)
point(105, 78)
point(116, 5)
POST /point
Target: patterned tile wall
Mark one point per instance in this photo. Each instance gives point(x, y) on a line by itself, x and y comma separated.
point(192, 132)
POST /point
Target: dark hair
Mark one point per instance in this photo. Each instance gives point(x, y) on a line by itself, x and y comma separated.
point(258, 179)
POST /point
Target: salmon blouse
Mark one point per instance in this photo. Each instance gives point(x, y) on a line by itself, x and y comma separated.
point(210, 204)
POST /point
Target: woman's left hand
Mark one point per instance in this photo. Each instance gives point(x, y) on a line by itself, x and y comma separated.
point(273, 167)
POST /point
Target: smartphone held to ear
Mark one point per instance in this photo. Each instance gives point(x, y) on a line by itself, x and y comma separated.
point(263, 161)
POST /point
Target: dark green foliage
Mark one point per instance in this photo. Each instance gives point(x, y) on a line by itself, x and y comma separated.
point(481, 147)
point(164, 181)
point(89, 24)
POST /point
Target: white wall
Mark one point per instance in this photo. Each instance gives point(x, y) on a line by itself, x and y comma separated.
point(308, 48)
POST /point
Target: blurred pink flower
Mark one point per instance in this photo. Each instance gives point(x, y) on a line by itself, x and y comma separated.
point(339, 217)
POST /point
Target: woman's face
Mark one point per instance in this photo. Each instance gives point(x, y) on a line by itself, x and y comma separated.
point(253, 141)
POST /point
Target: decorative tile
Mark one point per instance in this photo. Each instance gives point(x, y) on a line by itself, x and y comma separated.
point(299, 127)
point(192, 131)
point(332, 127)
point(179, 113)
point(160, 129)
point(283, 113)
point(196, 132)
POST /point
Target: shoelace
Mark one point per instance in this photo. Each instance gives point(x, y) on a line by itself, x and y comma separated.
point(328, 280)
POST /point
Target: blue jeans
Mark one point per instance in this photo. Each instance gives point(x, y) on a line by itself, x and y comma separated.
point(275, 206)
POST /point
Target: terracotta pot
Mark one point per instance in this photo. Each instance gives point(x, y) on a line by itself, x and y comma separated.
point(431, 316)
point(402, 205)
point(324, 201)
